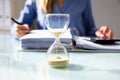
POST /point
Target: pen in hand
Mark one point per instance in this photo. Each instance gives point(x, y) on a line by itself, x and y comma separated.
point(15, 21)
point(20, 29)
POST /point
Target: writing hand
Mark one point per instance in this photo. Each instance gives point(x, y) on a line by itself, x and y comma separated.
point(21, 30)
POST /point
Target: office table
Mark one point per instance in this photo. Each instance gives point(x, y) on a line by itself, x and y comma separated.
point(31, 65)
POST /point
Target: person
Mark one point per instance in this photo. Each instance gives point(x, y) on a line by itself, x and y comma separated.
point(80, 12)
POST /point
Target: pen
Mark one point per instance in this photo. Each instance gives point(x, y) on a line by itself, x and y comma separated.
point(15, 21)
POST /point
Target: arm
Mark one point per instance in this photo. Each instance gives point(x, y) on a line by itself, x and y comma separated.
point(26, 18)
point(88, 20)
point(28, 14)
point(91, 30)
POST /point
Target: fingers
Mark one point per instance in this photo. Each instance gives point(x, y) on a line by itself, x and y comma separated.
point(104, 32)
point(21, 30)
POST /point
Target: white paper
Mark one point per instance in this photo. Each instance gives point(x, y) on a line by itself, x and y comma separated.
point(84, 42)
point(45, 36)
point(39, 39)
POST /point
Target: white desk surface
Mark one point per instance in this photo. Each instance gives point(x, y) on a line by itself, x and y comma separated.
point(18, 65)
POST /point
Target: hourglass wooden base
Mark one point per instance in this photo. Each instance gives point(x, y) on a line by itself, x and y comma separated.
point(58, 61)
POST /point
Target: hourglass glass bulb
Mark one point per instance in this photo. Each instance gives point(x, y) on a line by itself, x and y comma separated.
point(57, 24)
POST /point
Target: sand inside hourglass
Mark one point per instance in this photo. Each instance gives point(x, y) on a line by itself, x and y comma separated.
point(58, 61)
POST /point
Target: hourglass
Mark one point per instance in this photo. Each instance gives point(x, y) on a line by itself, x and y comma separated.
point(57, 24)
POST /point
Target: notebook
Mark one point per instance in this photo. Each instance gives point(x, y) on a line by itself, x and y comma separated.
point(86, 43)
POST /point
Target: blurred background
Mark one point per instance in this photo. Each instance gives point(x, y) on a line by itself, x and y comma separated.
point(105, 12)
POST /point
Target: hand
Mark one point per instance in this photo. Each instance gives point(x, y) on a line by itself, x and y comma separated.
point(21, 30)
point(104, 32)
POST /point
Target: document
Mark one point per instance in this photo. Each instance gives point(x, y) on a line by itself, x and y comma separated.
point(85, 42)
point(40, 39)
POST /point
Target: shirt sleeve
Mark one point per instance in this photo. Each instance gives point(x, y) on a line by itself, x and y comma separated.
point(28, 14)
point(88, 20)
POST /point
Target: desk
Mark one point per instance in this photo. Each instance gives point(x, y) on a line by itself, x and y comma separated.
point(18, 65)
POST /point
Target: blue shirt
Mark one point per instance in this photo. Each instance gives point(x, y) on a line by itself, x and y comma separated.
point(80, 15)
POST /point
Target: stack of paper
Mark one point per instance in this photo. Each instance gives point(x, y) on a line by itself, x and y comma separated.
point(85, 42)
point(41, 39)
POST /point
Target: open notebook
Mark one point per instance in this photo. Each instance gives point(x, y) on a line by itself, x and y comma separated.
point(41, 39)
point(86, 43)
